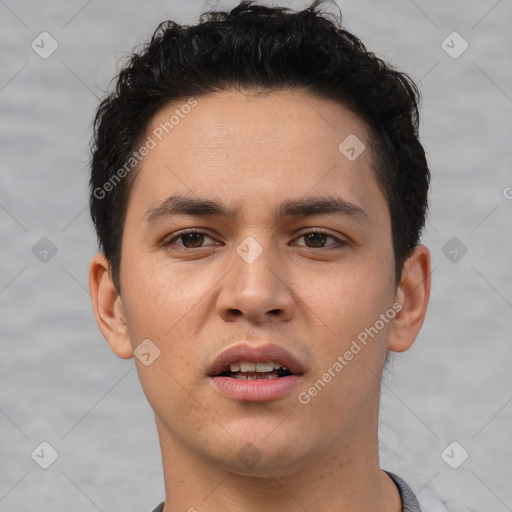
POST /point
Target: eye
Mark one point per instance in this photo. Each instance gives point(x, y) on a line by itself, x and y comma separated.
point(189, 239)
point(317, 239)
point(196, 239)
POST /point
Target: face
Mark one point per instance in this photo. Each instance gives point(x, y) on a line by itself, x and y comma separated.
point(247, 228)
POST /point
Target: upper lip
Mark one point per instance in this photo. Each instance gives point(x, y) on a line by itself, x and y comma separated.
point(255, 354)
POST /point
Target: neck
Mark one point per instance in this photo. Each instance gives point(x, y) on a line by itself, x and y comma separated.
point(346, 478)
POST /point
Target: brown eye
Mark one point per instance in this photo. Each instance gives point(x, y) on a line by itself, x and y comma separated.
point(189, 240)
point(317, 240)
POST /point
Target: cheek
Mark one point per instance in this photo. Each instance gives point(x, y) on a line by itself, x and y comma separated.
point(346, 311)
point(350, 342)
point(346, 299)
point(158, 294)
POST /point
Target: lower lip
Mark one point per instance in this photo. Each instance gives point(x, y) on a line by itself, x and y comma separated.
point(258, 390)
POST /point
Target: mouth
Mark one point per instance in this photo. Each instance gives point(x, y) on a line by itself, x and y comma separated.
point(255, 374)
point(245, 370)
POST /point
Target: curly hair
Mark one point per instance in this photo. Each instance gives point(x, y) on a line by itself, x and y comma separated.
point(261, 49)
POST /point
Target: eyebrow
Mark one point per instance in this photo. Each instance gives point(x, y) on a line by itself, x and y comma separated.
point(303, 207)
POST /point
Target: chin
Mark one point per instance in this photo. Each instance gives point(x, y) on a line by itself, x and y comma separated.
point(257, 464)
point(261, 455)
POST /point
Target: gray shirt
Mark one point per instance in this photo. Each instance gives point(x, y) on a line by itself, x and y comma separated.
point(409, 501)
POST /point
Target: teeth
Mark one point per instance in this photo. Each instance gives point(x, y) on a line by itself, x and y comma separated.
point(241, 376)
point(264, 367)
point(246, 366)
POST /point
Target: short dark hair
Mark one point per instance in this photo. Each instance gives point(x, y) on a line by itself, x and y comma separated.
point(261, 49)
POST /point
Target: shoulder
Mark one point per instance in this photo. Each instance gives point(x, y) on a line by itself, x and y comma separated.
point(427, 501)
point(409, 500)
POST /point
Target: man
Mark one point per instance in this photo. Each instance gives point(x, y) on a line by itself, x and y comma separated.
point(259, 190)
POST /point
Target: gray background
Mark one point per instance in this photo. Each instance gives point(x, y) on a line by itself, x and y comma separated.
point(60, 382)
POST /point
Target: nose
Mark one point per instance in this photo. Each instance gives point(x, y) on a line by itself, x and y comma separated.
point(256, 290)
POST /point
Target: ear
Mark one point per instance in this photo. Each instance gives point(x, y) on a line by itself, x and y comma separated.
point(107, 306)
point(412, 294)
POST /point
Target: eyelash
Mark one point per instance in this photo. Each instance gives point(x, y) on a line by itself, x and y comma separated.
point(180, 235)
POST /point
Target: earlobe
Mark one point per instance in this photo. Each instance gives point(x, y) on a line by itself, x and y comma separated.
point(412, 294)
point(108, 308)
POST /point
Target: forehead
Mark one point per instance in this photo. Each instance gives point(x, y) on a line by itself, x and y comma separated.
point(253, 149)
